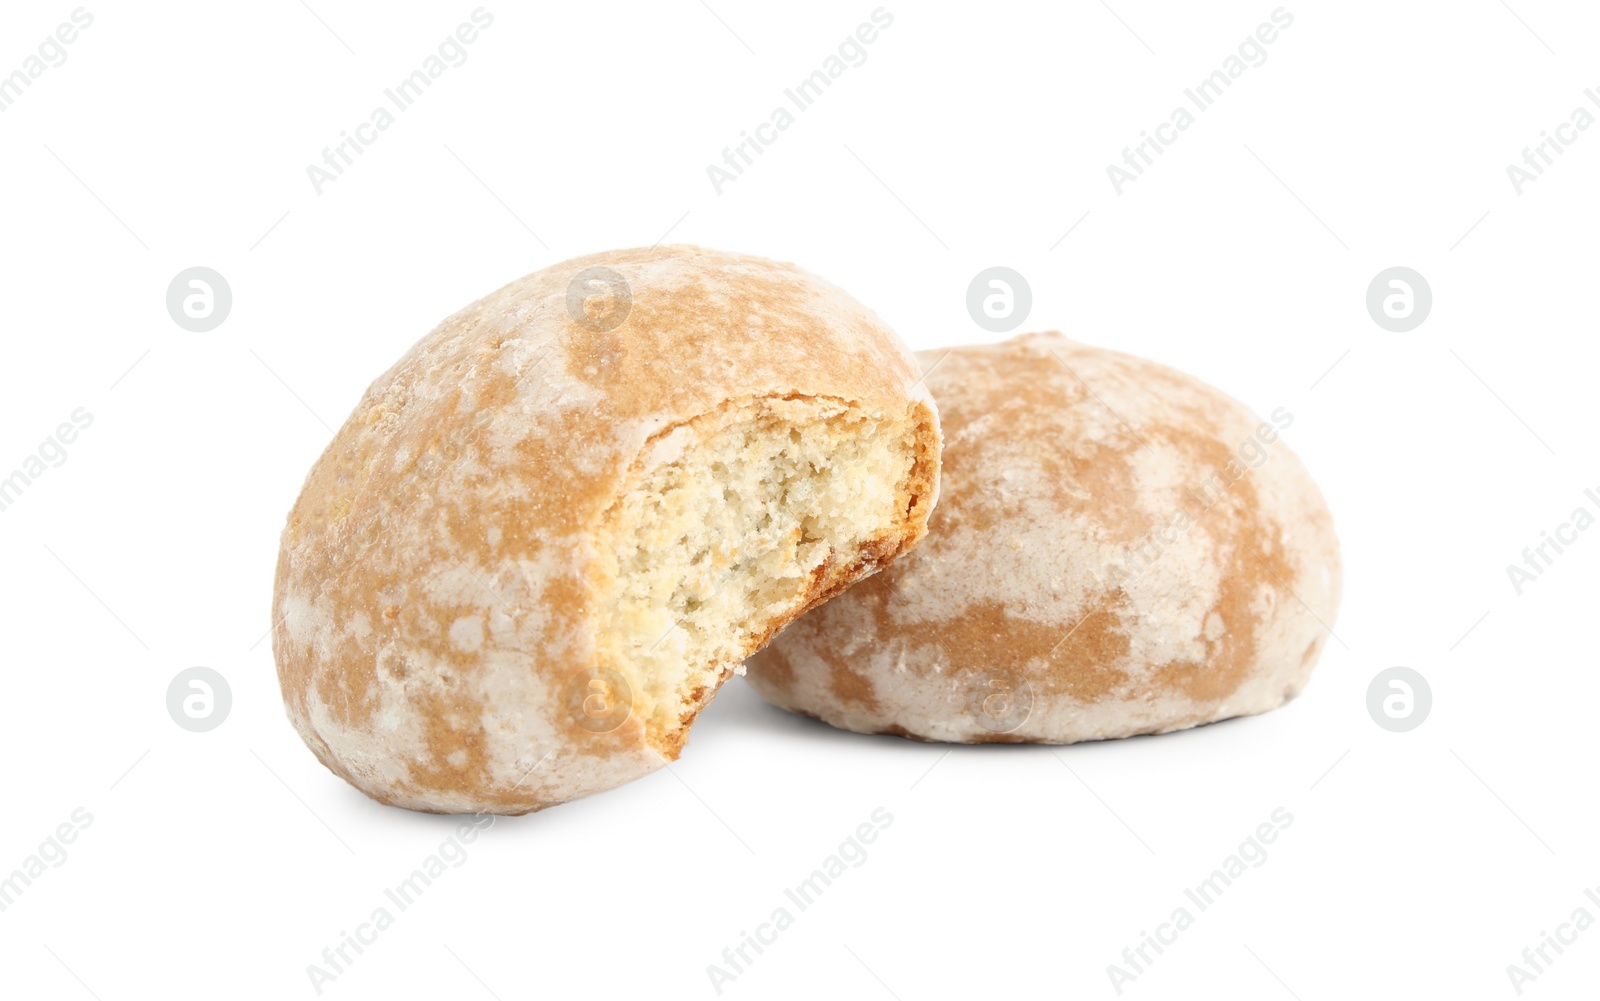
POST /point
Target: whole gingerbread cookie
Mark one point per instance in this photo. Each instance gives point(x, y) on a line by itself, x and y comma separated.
point(1118, 549)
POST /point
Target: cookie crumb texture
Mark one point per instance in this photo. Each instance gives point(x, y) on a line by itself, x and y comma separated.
point(536, 549)
point(1119, 549)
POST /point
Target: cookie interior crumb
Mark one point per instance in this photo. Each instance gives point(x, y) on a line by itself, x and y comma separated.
point(725, 542)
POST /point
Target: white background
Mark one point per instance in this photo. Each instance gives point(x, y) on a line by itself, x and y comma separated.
point(1375, 135)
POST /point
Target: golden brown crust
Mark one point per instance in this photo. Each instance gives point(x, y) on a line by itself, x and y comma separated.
point(441, 577)
point(1118, 549)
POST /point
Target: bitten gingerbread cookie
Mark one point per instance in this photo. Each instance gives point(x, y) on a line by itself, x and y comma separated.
point(550, 532)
